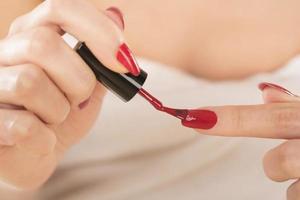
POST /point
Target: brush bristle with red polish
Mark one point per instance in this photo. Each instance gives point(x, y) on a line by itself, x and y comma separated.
point(126, 58)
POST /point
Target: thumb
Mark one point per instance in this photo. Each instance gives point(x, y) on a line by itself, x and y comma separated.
point(276, 94)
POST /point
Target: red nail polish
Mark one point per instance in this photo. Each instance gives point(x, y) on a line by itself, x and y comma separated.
point(126, 58)
point(84, 104)
point(263, 86)
point(117, 12)
point(200, 119)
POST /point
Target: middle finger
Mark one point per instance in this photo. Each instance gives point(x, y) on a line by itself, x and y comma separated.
point(44, 47)
point(28, 86)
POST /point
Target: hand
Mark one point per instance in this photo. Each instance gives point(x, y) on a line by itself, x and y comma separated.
point(49, 97)
point(279, 118)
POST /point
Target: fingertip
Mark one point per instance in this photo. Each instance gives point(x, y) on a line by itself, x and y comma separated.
point(117, 16)
point(263, 86)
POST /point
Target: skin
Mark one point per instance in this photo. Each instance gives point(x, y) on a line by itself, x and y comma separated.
point(228, 40)
point(253, 37)
point(278, 119)
point(34, 137)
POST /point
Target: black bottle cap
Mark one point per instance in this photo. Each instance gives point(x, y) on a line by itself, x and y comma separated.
point(126, 86)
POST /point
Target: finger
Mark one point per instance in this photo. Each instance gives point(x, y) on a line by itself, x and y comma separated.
point(10, 106)
point(283, 162)
point(25, 131)
point(28, 86)
point(275, 94)
point(278, 120)
point(66, 135)
point(293, 192)
point(23, 170)
point(23, 22)
point(45, 48)
point(82, 20)
point(33, 150)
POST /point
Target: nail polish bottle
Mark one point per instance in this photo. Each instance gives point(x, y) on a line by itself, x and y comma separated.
point(126, 86)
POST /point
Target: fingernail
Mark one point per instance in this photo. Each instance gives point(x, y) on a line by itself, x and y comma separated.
point(126, 58)
point(117, 13)
point(200, 119)
point(263, 86)
point(84, 104)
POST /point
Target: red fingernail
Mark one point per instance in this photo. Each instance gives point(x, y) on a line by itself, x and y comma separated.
point(126, 58)
point(200, 119)
point(84, 104)
point(117, 12)
point(263, 86)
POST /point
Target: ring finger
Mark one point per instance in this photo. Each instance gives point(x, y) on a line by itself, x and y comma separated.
point(28, 86)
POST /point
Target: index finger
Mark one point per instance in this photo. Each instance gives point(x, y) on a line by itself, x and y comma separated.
point(86, 23)
point(277, 120)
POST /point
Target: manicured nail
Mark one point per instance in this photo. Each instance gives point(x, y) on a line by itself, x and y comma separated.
point(84, 104)
point(200, 119)
point(117, 12)
point(265, 85)
point(126, 58)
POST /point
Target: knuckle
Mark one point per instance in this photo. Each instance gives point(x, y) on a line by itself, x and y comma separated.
point(15, 25)
point(29, 130)
point(83, 91)
point(21, 126)
point(40, 41)
point(87, 89)
point(54, 6)
point(285, 119)
point(29, 81)
point(62, 113)
point(236, 117)
point(30, 124)
point(46, 141)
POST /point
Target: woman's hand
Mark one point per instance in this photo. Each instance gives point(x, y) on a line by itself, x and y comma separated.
point(278, 118)
point(49, 97)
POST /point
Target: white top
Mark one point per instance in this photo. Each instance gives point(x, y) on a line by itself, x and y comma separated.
point(159, 159)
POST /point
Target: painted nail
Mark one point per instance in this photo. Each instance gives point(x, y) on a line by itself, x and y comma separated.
point(263, 86)
point(200, 119)
point(84, 104)
point(117, 13)
point(126, 58)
